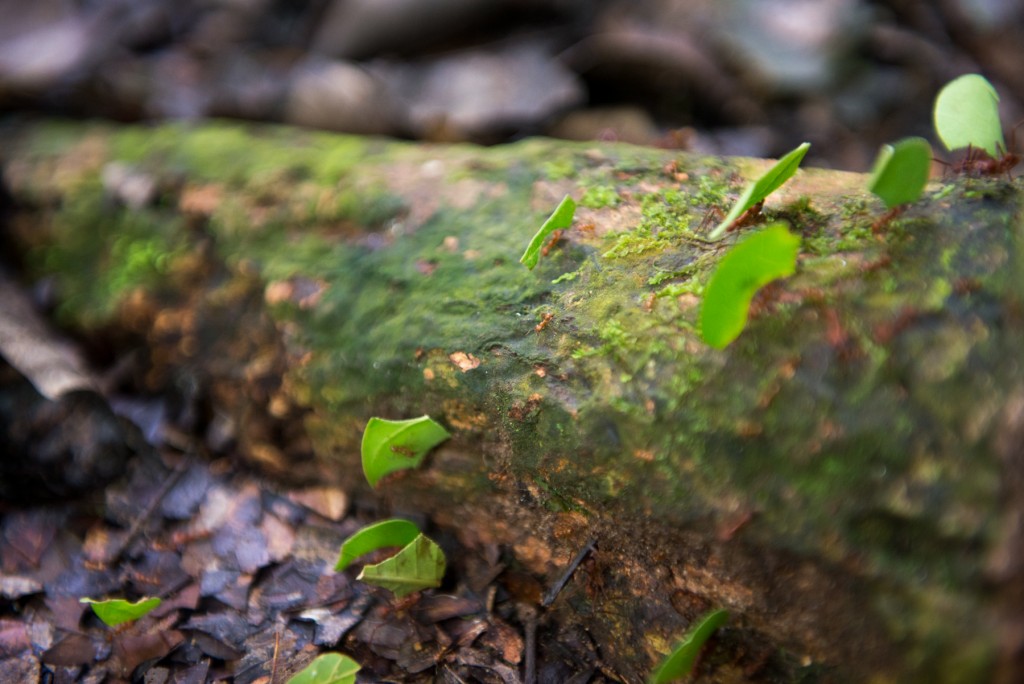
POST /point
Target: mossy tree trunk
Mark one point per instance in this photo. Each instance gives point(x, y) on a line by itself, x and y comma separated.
point(845, 477)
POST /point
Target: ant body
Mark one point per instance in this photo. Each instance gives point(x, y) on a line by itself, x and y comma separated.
point(978, 162)
point(545, 319)
point(747, 218)
point(556, 237)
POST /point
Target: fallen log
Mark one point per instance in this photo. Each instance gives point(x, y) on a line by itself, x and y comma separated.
point(847, 477)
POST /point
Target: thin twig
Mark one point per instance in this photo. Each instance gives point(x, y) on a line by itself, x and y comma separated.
point(165, 487)
point(273, 664)
point(528, 614)
point(553, 592)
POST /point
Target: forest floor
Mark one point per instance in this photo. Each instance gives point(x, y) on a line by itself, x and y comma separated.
point(245, 569)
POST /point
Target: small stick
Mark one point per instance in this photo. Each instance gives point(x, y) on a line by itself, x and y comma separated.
point(528, 614)
point(553, 592)
point(165, 487)
point(273, 665)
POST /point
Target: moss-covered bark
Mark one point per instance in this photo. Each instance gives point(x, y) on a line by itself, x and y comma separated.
point(840, 477)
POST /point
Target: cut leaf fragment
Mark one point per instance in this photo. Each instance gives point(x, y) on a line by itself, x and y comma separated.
point(559, 219)
point(901, 171)
point(329, 668)
point(679, 663)
point(394, 532)
point(966, 114)
point(114, 612)
point(420, 565)
point(392, 445)
point(752, 263)
point(757, 191)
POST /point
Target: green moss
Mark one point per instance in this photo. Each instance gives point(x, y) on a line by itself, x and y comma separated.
point(235, 153)
point(99, 255)
point(710, 191)
point(599, 196)
point(854, 207)
point(367, 207)
point(666, 223)
point(558, 169)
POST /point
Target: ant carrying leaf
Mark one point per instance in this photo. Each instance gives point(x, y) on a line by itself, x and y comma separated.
point(391, 445)
point(748, 207)
point(559, 220)
point(899, 175)
point(966, 115)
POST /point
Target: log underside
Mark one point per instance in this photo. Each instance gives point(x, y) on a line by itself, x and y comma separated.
point(845, 478)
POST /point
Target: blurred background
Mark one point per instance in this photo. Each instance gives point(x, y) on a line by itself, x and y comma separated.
point(748, 77)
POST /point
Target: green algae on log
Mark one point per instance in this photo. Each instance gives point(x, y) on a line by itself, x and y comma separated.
point(844, 478)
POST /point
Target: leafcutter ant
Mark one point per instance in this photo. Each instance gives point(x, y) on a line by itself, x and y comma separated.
point(649, 302)
point(747, 218)
point(402, 450)
point(978, 162)
point(885, 219)
point(556, 237)
point(544, 320)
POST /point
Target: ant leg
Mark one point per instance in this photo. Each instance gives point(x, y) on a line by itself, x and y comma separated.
point(712, 213)
point(885, 219)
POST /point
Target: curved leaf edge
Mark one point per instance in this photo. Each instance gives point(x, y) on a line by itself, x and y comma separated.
point(394, 532)
point(680, 661)
point(901, 170)
point(328, 668)
point(114, 612)
point(387, 574)
point(973, 97)
point(727, 297)
point(371, 456)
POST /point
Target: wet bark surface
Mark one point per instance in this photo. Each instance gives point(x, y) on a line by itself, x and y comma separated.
point(837, 478)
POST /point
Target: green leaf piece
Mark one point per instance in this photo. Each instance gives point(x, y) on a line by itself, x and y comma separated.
point(394, 532)
point(116, 612)
point(967, 114)
point(901, 171)
point(559, 219)
point(329, 668)
point(752, 263)
point(768, 183)
point(418, 566)
point(679, 663)
point(391, 445)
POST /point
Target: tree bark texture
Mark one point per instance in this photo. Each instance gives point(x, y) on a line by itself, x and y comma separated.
point(845, 478)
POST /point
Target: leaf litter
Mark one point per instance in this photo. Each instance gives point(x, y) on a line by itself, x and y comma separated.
point(244, 570)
